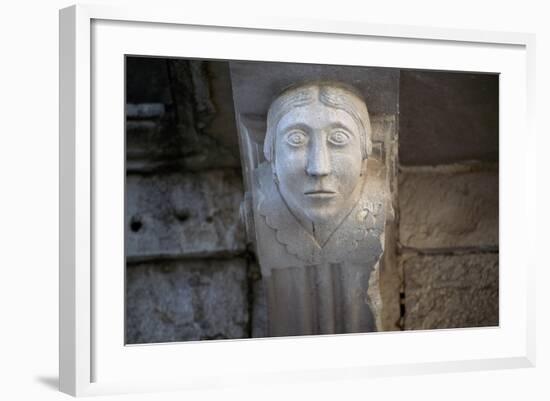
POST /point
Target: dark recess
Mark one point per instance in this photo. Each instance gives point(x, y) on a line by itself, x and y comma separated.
point(447, 117)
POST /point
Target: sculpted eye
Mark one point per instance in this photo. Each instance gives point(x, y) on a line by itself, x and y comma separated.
point(296, 138)
point(339, 138)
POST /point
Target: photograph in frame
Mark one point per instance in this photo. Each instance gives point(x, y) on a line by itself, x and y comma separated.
point(242, 223)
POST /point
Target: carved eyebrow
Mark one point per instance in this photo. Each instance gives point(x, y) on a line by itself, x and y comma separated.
point(295, 126)
point(307, 129)
point(339, 125)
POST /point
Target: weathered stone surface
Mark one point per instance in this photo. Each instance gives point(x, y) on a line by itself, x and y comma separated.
point(390, 277)
point(192, 129)
point(191, 300)
point(183, 215)
point(451, 291)
point(157, 146)
point(383, 127)
point(259, 310)
point(390, 284)
point(144, 140)
point(144, 110)
point(193, 108)
point(440, 208)
point(223, 127)
point(447, 117)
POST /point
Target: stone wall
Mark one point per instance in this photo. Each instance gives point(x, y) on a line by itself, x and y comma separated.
point(190, 274)
point(448, 200)
point(187, 267)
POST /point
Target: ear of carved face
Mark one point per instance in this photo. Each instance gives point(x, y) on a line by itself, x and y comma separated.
point(318, 161)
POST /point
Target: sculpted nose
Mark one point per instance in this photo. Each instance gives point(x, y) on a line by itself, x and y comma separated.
point(318, 162)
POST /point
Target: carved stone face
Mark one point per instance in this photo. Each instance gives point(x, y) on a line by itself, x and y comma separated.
point(318, 161)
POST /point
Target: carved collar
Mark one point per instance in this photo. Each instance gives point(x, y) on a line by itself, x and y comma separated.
point(357, 238)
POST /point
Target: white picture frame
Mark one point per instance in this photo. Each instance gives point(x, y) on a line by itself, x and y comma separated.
point(93, 358)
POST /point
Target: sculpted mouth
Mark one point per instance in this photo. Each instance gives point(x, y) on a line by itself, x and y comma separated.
point(320, 193)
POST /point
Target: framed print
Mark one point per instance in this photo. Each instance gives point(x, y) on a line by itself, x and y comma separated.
point(275, 201)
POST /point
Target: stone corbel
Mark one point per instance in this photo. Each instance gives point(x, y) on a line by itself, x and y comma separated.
point(316, 208)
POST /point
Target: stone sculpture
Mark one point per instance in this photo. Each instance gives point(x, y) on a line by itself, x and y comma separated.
point(318, 203)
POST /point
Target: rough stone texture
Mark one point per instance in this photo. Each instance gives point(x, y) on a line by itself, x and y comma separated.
point(190, 300)
point(183, 215)
point(144, 110)
point(259, 310)
point(390, 278)
point(185, 280)
point(184, 121)
point(223, 126)
point(258, 301)
point(156, 146)
point(447, 117)
point(442, 209)
point(143, 141)
point(383, 127)
point(390, 284)
point(451, 291)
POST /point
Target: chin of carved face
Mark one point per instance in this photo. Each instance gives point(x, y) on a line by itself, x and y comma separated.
point(318, 161)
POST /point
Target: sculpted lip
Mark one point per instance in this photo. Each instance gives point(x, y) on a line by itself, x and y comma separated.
point(320, 193)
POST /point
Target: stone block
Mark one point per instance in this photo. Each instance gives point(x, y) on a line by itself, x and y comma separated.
point(186, 300)
point(144, 110)
point(157, 146)
point(183, 215)
point(140, 138)
point(441, 209)
point(448, 117)
point(451, 291)
point(193, 129)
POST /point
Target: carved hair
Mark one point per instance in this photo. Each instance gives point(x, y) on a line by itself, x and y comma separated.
point(330, 94)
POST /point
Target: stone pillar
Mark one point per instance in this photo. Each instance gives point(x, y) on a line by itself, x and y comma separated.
point(318, 197)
